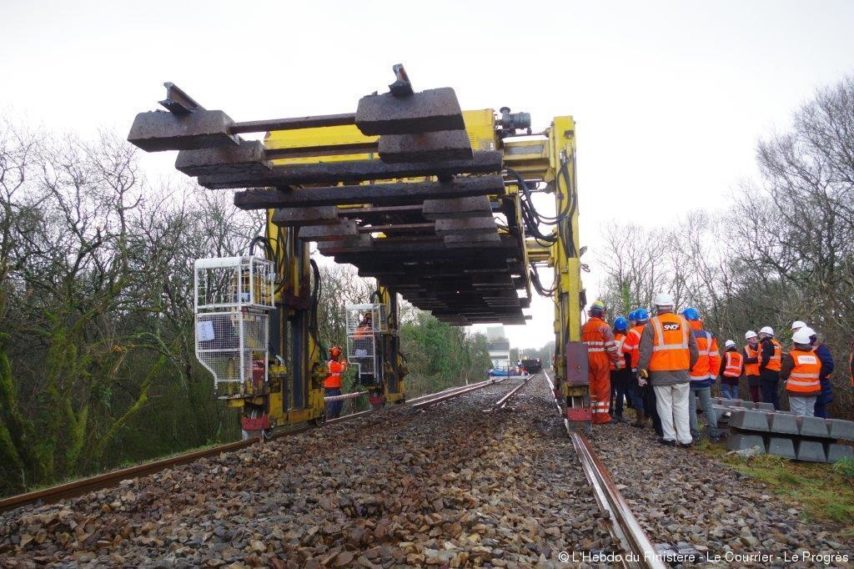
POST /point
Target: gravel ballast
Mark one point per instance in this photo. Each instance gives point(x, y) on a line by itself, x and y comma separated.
point(690, 503)
point(453, 485)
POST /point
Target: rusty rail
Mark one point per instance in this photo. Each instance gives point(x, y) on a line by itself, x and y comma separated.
point(109, 479)
point(624, 526)
point(501, 403)
point(451, 393)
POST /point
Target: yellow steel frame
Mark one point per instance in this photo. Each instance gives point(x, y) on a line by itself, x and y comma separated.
point(534, 157)
point(542, 157)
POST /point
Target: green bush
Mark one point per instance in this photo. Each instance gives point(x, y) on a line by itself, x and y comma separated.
point(845, 467)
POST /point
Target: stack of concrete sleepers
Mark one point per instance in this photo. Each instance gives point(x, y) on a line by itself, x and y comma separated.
point(725, 407)
point(781, 433)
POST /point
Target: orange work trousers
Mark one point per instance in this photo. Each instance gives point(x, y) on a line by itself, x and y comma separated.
point(599, 375)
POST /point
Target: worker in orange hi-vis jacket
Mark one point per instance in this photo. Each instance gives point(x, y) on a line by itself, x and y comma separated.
point(668, 351)
point(601, 351)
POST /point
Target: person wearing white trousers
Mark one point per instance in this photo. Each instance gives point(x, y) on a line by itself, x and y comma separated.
point(672, 403)
point(668, 351)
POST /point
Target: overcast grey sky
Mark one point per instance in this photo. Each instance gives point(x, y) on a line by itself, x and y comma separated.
point(670, 97)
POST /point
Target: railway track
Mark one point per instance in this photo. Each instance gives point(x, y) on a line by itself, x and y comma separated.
point(108, 479)
point(507, 471)
point(624, 526)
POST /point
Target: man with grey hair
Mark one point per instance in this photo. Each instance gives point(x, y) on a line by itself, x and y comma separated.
point(667, 352)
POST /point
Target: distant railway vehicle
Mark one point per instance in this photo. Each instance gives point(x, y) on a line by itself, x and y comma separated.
point(532, 365)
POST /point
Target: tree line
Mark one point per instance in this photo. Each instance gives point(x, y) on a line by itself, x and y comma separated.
point(783, 250)
point(97, 355)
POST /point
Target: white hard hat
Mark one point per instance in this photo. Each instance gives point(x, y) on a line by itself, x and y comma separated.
point(798, 324)
point(663, 299)
point(729, 344)
point(767, 330)
point(749, 334)
point(802, 335)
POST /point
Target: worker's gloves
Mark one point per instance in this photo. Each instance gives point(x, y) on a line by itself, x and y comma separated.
point(643, 375)
point(620, 364)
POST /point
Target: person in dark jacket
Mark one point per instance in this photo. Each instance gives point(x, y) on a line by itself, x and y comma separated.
point(825, 398)
point(751, 364)
point(770, 360)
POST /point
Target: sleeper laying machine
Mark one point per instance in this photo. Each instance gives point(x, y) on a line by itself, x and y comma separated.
point(438, 204)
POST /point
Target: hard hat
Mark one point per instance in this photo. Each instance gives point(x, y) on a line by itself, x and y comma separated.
point(691, 313)
point(334, 351)
point(798, 324)
point(802, 335)
point(729, 344)
point(767, 330)
point(621, 324)
point(663, 299)
point(749, 334)
point(642, 314)
point(598, 305)
point(633, 315)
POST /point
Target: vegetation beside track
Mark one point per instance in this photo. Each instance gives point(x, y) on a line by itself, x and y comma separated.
point(823, 492)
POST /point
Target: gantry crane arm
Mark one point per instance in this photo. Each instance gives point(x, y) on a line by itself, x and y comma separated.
point(432, 201)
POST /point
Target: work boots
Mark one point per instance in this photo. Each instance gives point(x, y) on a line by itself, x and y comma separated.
point(640, 419)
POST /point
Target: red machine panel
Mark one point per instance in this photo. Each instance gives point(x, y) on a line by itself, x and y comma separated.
point(576, 363)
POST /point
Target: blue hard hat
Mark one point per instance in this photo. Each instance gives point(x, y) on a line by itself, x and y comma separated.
point(633, 315)
point(641, 314)
point(621, 324)
point(691, 313)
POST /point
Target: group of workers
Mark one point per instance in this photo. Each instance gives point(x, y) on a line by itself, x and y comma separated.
point(663, 364)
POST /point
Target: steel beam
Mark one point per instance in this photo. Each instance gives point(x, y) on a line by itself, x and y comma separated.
point(382, 194)
point(417, 228)
point(293, 123)
point(353, 171)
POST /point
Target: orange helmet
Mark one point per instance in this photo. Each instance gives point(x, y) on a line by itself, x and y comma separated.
point(334, 351)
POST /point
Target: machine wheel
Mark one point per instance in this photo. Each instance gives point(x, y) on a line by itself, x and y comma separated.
point(318, 421)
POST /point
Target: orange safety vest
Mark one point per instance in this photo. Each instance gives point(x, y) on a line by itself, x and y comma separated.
point(363, 331)
point(803, 381)
point(776, 360)
point(702, 367)
point(732, 364)
point(752, 369)
point(669, 343)
point(594, 334)
point(619, 339)
point(333, 380)
point(631, 345)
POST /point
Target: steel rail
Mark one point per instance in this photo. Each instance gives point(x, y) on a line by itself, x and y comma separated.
point(624, 526)
point(353, 395)
point(451, 390)
point(460, 391)
point(108, 479)
point(501, 403)
point(293, 123)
